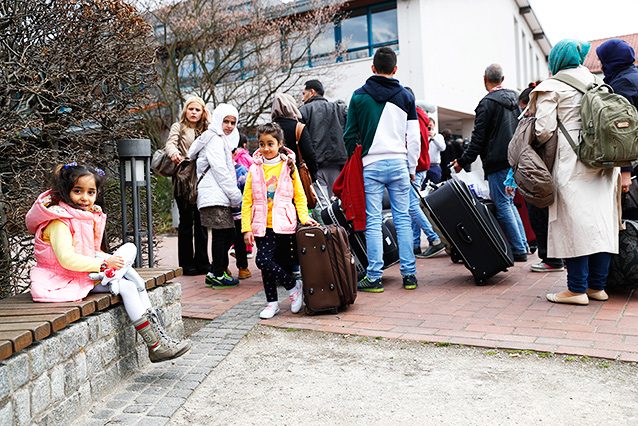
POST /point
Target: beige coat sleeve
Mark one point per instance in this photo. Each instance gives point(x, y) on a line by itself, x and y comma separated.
point(546, 115)
point(172, 143)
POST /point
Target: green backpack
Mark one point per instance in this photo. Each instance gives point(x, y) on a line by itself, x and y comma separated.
point(609, 136)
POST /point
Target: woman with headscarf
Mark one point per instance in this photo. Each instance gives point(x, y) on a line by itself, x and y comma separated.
point(584, 218)
point(217, 191)
point(192, 123)
point(287, 115)
point(617, 58)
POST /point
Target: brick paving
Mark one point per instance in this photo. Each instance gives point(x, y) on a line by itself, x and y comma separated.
point(510, 312)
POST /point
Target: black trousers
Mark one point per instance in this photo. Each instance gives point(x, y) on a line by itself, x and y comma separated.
point(241, 256)
point(276, 258)
point(189, 227)
point(539, 219)
point(222, 240)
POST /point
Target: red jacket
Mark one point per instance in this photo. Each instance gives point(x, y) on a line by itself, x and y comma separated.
point(424, 158)
point(349, 189)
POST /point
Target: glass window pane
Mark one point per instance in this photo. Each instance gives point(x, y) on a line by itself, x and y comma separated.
point(354, 32)
point(357, 54)
point(384, 26)
point(325, 42)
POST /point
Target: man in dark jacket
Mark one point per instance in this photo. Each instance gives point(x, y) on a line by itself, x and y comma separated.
point(325, 122)
point(494, 124)
point(617, 58)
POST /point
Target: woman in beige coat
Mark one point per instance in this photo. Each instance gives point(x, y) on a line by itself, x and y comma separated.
point(192, 123)
point(583, 221)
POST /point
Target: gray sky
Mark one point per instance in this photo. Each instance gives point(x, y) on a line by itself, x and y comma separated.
point(586, 19)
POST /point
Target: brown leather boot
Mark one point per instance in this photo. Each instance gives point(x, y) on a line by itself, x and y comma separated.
point(161, 347)
point(244, 273)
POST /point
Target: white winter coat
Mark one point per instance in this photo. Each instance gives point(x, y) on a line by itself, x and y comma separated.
point(584, 218)
point(219, 186)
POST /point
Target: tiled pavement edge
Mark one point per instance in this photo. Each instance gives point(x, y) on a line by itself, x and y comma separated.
point(151, 396)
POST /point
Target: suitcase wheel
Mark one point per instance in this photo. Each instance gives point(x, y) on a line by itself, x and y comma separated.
point(308, 311)
point(480, 281)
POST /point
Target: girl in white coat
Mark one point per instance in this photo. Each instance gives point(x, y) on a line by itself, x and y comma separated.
point(217, 191)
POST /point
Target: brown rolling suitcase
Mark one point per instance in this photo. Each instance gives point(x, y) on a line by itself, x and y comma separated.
point(327, 268)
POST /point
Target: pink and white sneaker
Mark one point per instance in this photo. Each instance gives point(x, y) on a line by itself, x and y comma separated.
point(271, 309)
point(296, 298)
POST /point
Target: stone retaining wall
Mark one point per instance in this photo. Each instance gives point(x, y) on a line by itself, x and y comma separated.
point(54, 381)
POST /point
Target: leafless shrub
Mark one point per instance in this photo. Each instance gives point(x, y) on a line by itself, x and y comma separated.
point(241, 52)
point(74, 74)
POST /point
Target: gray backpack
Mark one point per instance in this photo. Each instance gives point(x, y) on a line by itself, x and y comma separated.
point(609, 136)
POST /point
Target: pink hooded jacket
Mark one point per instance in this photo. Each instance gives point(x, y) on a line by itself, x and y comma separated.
point(50, 282)
point(242, 157)
point(284, 214)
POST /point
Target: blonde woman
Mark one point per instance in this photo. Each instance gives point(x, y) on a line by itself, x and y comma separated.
point(192, 123)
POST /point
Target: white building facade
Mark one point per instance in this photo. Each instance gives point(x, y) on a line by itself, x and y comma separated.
point(443, 48)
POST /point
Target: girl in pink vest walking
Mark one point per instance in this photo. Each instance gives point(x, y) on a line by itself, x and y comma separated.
point(269, 216)
point(68, 226)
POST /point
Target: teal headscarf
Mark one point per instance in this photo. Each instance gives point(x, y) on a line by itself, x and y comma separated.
point(567, 54)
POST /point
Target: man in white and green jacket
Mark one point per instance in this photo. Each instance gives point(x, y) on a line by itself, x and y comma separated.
point(382, 118)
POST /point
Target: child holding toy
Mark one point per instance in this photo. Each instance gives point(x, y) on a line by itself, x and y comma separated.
point(68, 226)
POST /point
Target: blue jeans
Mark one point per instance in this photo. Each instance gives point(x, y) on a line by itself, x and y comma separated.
point(419, 219)
point(435, 173)
point(589, 271)
point(393, 175)
point(506, 212)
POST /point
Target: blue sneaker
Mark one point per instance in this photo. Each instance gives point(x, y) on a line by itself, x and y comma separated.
point(370, 286)
point(410, 282)
point(225, 281)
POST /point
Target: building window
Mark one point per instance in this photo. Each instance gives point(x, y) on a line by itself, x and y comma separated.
point(362, 32)
point(367, 29)
point(384, 28)
point(517, 49)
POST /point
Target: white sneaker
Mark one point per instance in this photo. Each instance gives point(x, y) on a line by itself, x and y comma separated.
point(296, 298)
point(271, 309)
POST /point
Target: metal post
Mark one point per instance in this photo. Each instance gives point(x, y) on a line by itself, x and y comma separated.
point(149, 213)
point(123, 202)
point(136, 212)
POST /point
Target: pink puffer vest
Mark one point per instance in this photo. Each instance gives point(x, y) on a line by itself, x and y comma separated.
point(50, 282)
point(284, 214)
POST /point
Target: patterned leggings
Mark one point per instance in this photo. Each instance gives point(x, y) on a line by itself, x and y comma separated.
point(276, 257)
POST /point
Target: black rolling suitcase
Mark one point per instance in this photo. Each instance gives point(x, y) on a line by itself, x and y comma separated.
point(327, 268)
point(335, 215)
point(472, 230)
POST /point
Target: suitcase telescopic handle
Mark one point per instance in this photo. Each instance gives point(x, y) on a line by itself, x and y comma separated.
point(465, 236)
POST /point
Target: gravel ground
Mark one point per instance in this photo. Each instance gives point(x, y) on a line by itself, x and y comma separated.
point(288, 377)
